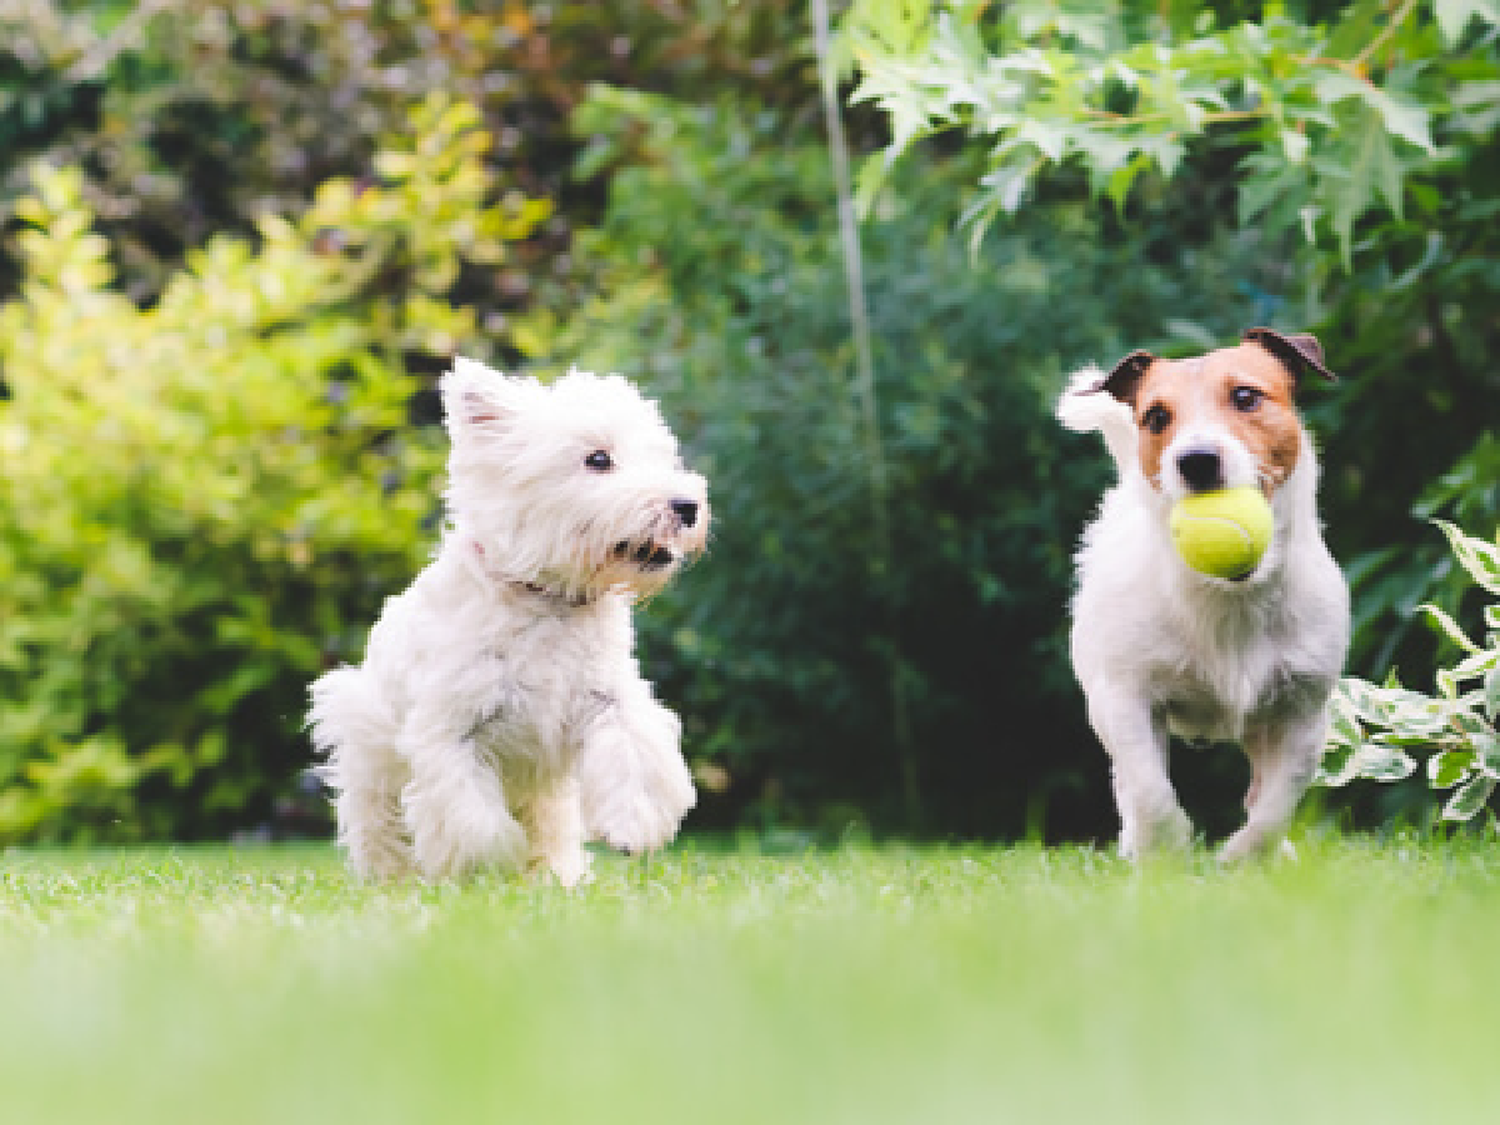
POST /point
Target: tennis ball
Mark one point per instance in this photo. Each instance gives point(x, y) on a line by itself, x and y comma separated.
point(1222, 533)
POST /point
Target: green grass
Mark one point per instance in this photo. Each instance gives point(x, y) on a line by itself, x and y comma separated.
point(860, 985)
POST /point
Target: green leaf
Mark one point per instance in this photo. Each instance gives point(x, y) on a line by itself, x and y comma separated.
point(1471, 726)
point(1477, 556)
point(1447, 768)
point(1360, 696)
point(1343, 722)
point(1411, 123)
point(1006, 185)
point(1469, 798)
point(1378, 761)
point(1454, 16)
point(1333, 769)
point(1487, 748)
point(1478, 664)
point(1449, 627)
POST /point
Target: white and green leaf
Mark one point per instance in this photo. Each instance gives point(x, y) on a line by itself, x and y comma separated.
point(1469, 798)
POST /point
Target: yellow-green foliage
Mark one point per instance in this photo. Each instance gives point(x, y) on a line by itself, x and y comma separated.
point(204, 500)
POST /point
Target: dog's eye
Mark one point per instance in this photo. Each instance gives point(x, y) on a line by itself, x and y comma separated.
point(1246, 398)
point(1156, 419)
point(600, 461)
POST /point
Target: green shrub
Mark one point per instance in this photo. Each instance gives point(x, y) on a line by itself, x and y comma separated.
point(204, 500)
point(1378, 728)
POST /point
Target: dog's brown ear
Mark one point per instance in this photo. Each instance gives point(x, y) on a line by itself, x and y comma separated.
point(1300, 351)
point(1121, 382)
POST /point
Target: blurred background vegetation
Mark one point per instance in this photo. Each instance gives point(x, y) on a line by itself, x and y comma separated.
point(241, 238)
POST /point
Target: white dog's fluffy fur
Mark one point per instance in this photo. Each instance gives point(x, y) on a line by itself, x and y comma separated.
point(499, 719)
point(1159, 647)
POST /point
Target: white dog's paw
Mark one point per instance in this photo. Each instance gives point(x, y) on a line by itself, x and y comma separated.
point(469, 836)
point(379, 859)
point(571, 869)
point(1255, 842)
point(634, 785)
point(1169, 830)
point(630, 822)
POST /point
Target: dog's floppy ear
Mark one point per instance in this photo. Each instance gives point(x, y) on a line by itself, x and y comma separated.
point(1121, 381)
point(1299, 351)
point(478, 400)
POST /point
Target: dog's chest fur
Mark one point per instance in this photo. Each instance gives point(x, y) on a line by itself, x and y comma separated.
point(1217, 661)
point(1211, 658)
point(547, 684)
point(520, 673)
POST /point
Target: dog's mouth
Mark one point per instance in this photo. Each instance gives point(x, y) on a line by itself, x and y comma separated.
point(648, 555)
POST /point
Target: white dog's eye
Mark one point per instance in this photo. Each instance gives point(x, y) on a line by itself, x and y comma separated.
point(1157, 418)
point(600, 461)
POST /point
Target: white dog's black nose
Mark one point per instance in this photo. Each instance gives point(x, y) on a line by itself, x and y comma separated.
point(686, 510)
point(1201, 469)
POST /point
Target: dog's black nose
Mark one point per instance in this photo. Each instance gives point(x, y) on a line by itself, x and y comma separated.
point(1201, 469)
point(687, 511)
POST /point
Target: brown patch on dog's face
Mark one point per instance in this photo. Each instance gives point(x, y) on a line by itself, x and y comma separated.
point(1245, 390)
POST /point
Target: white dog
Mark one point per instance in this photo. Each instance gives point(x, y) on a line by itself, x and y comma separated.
point(500, 719)
point(1159, 647)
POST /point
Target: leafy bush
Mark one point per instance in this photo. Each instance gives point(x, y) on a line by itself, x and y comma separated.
point(925, 686)
point(199, 496)
point(1376, 729)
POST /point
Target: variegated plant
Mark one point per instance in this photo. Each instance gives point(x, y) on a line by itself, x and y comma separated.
point(1377, 730)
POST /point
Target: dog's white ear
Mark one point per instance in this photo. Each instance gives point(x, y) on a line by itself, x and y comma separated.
point(479, 400)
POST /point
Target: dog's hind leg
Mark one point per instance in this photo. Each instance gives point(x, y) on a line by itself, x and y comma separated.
point(1136, 738)
point(353, 726)
point(1283, 758)
point(369, 812)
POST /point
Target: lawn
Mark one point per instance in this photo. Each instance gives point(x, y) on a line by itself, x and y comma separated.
point(864, 984)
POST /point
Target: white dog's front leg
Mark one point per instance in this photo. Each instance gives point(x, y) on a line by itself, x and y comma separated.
point(1283, 757)
point(1136, 739)
point(634, 785)
point(455, 808)
point(554, 822)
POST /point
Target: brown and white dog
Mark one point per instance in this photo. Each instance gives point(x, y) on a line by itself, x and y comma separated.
point(1159, 648)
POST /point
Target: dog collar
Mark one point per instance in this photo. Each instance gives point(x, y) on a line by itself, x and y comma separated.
point(575, 601)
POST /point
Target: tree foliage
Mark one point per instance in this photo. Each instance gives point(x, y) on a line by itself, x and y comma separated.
point(1329, 122)
point(192, 117)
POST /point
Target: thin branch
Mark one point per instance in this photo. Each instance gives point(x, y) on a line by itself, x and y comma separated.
point(1386, 32)
point(865, 393)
